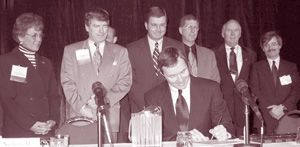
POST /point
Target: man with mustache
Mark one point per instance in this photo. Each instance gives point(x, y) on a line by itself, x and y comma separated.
point(91, 60)
point(275, 82)
point(143, 55)
point(234, 62)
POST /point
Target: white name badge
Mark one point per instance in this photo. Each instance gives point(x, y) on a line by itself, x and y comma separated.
point(285, 80)
point(18, 74)
point(20, 142)
point(83, 56)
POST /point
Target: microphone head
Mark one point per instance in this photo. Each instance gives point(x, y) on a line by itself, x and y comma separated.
point(97, 87)
point(240, 84)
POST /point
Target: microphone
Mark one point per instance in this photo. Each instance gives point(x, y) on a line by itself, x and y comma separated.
point(99, 91)
point(242, 86)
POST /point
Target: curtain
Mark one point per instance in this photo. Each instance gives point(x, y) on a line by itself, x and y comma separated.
point(64, 21)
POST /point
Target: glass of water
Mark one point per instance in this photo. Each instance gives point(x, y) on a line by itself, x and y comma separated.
point(184, 139)
point(59, 141)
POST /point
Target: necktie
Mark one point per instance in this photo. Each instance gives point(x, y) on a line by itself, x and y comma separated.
point(97, 58)
point(274, 72)
point(232, 62)
point(155, 58)
point(193, 62)
point(182, 112)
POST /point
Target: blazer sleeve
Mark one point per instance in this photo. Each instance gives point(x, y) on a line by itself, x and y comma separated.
point(214, 68)
point(124, 81)
point(69, 83)
point(293, 97)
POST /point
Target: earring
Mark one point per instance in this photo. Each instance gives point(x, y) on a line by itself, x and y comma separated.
point(21, 42)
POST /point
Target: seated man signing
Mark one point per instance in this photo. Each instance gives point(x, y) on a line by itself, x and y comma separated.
point(188, 103)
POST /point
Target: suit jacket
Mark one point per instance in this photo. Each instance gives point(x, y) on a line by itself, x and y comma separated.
point(262, 85)
point(206, 64)
point(77, 78)
point(24, 104)
point(144, 77)
point(207, 106)
point(231, 95)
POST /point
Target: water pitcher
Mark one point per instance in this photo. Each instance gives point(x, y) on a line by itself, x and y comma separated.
point(146, 128)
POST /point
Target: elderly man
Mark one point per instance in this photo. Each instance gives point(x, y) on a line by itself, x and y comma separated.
point(234, 62)
point(202, 60)
point(275, 82)
point(91, 60)
point(143, 55)
point(188, 103)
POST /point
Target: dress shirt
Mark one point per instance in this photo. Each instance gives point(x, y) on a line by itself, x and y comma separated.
point(152, 45)
point(270, 61)
point(185, 93)
point(93, 47)
point(187, 50)
point(239, 58)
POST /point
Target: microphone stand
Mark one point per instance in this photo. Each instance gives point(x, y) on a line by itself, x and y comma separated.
point(246, 132)
point(102, 116)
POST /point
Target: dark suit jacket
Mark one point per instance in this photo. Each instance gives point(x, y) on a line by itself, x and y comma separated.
point(143, 73)
point(231, 95)
point(262, 85)
point(207, 106)
point(26, 103)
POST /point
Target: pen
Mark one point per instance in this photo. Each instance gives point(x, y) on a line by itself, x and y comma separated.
point(217, 125)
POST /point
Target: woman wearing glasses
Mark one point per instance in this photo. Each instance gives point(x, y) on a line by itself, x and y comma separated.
point(28, 88)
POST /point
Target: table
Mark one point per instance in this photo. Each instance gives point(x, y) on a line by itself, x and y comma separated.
point(213, 143)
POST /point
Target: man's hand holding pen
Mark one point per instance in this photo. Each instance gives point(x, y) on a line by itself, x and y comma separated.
point(220, 133)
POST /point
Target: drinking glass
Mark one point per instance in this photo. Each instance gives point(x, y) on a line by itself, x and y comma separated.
point(184, 139)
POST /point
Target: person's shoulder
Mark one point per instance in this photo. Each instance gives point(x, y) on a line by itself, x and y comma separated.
point(288, 63)
point(205, 50)
point(9, 55)
point(171, 41)
point(75, 45)
point(136, 43)
point(157, 89)
point(248, 50)
point(204, 82)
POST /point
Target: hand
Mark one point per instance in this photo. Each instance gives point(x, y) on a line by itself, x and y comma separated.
point(50, 123)
point(86, 111)
point(276, 111)
point(198, 136)
point(92, 103)
point(220, 133)
point(40, 128)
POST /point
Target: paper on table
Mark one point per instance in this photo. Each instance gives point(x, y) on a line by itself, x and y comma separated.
point(217, 143)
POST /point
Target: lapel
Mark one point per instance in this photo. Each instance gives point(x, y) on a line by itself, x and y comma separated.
point(108, 60)
point(283, 68)
point(196, 97)
point(167, 104)
point(245, 65)
point(268, 76)
point(145, 54)
point(87, 68)
point(221, 54)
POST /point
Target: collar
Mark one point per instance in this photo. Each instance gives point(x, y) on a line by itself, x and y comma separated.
point(153, 41)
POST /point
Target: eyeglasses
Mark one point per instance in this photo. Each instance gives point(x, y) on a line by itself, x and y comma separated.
point(191, 27)
point(273, 44)
point(34, 36)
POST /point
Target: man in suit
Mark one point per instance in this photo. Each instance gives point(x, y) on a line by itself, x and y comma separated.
point(92, 60)
point(234, 62)
point(202, 60)
point(274, 81)
point(143, 54)
point(188, 103)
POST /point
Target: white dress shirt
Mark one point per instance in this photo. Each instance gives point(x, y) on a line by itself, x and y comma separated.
point(270, 61)
point(152, 45)
point(239, 58)
point(93, 47)
point(185, 93)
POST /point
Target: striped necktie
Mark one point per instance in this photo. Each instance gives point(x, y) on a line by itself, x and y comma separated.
point(155, 59)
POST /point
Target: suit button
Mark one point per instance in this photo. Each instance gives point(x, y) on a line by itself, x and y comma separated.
point(31, 99)
point(45, 98)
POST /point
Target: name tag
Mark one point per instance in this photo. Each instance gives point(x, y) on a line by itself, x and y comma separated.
point(83, 56)
point(19, 142)
point(285, 80)
point(18, 74)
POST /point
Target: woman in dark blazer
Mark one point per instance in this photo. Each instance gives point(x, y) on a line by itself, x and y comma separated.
point(28, 88)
